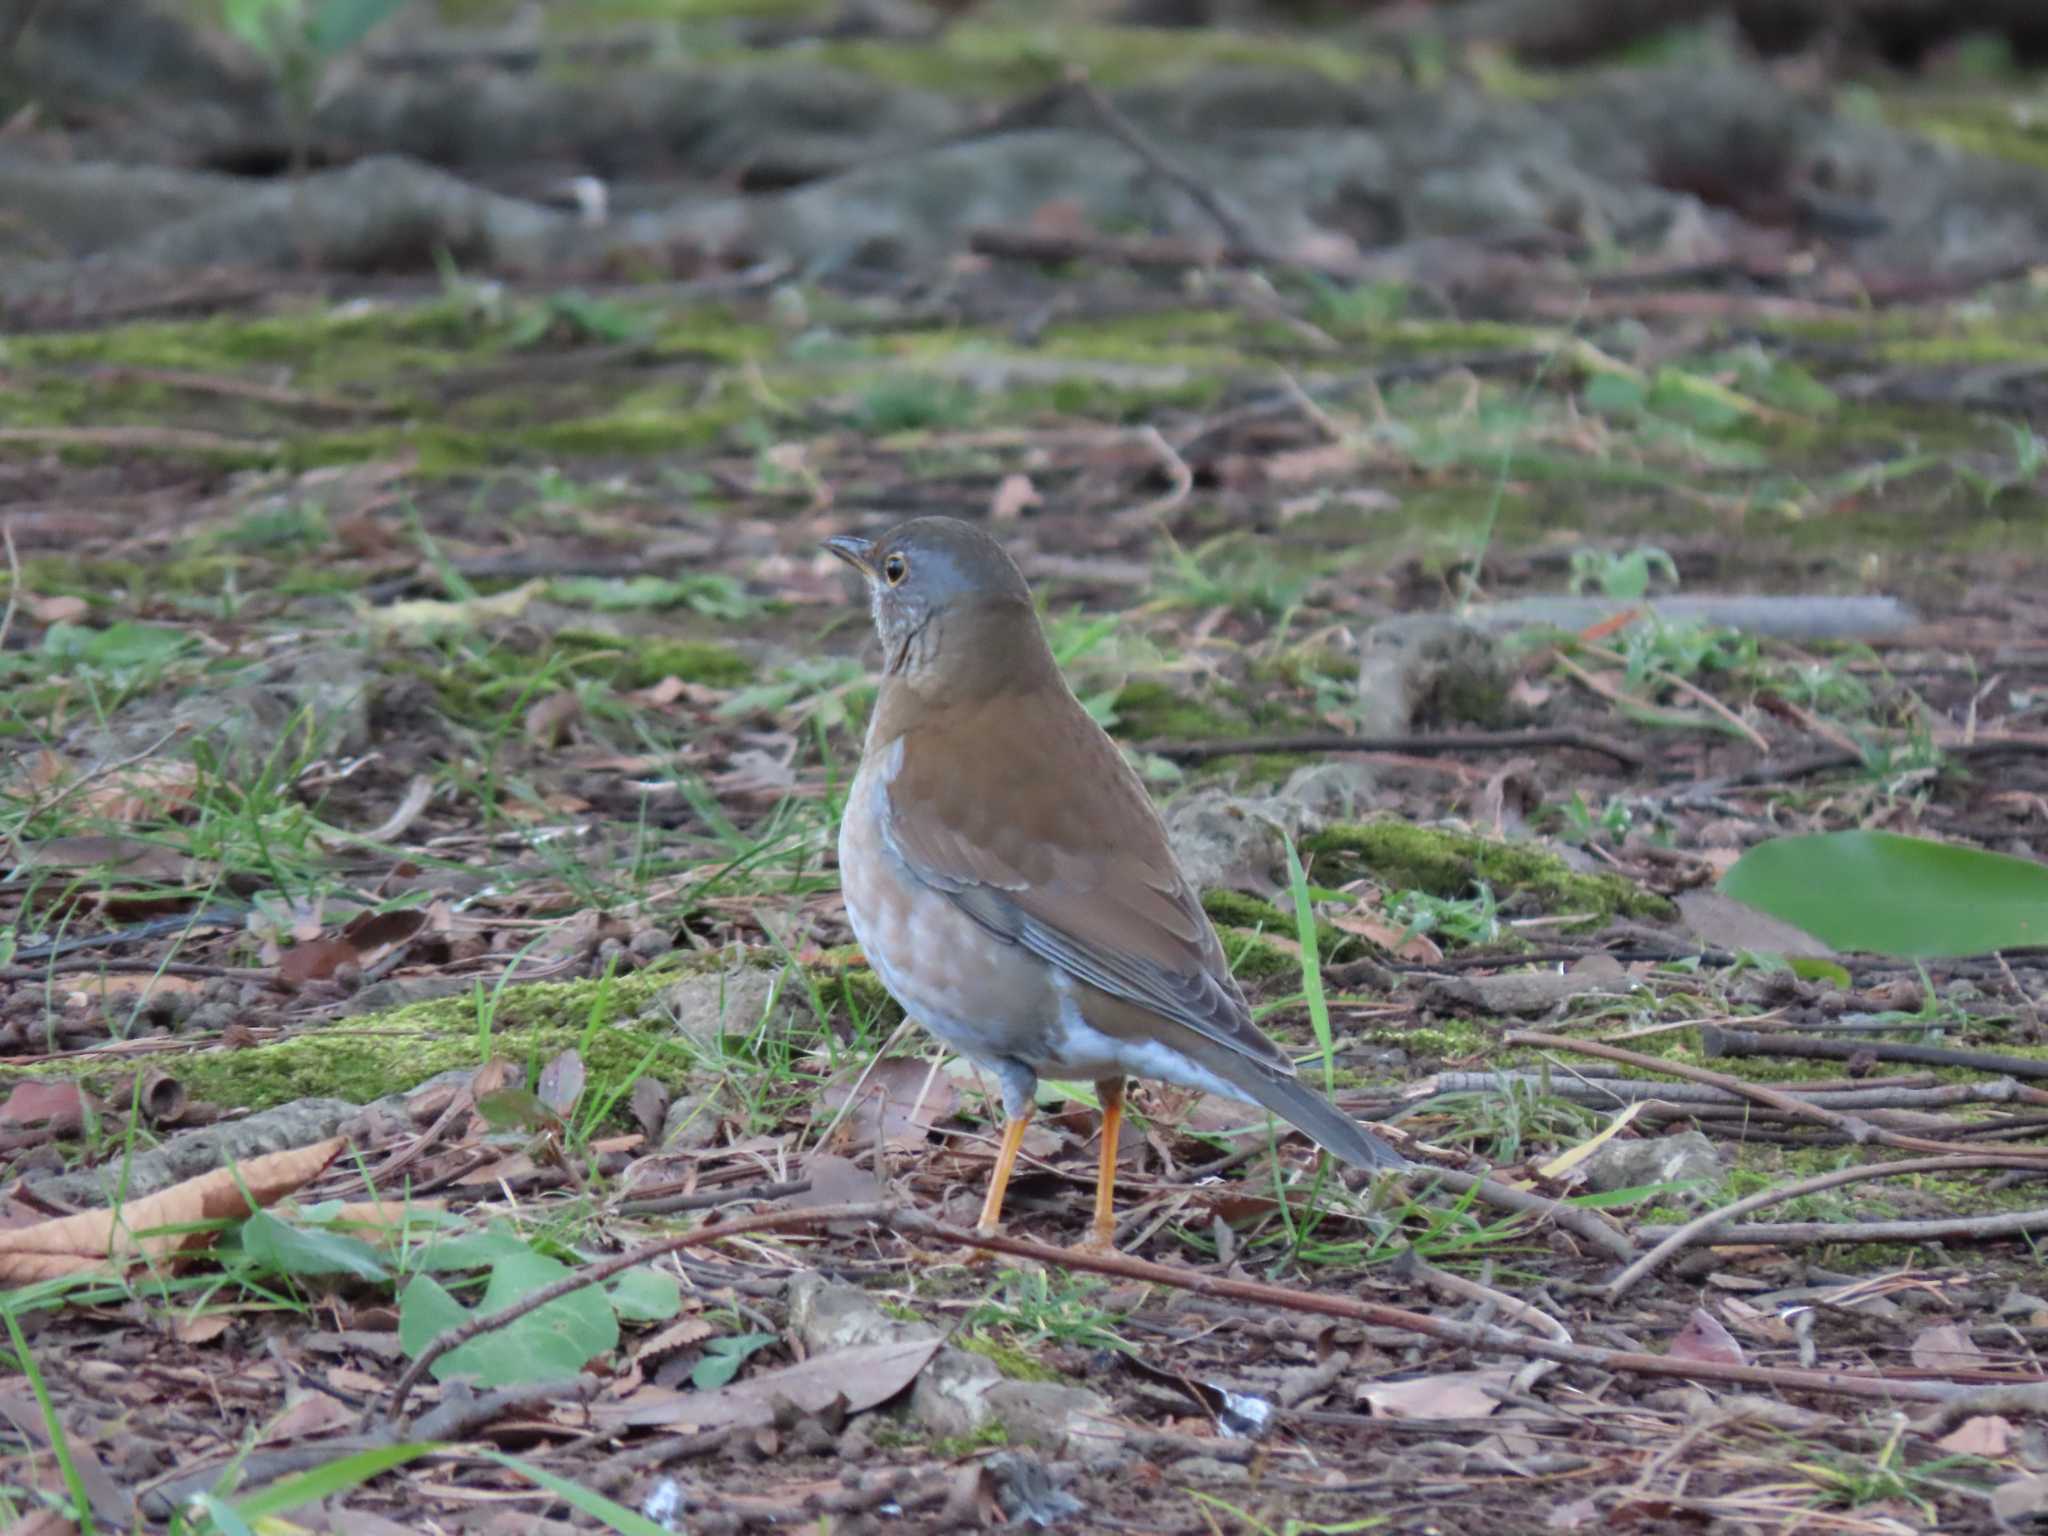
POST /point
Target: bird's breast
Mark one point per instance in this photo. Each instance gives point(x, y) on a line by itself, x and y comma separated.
point(982, 995)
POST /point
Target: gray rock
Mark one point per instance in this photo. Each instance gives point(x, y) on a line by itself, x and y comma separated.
point(330, 686)
point(958, 1393)
point(734, 1000)
point(1207, 1469)
point(691, 1121)
point(1060, 1420)
point(1686, 1158)
point(827, 1314)
point(198, 1151)
point(1232, 842)
point(1338, 789)
point(1431, 669)
point(1523, 993)
point(1795, 616)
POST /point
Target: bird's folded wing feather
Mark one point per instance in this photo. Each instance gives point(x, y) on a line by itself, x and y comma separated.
point(1026, 814)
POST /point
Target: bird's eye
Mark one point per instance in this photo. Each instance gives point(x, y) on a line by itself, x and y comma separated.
point(894, 569)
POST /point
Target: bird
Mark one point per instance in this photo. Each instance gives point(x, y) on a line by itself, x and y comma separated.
point(1010, 882)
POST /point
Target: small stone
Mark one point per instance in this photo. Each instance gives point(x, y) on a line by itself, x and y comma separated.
point(1207, 1469)
point(650, 943)
point(1231, 842)
point(1341, 789)
point(1686, 1158)
point(1431, 669)
point(691, 1122)
point(709, 1005)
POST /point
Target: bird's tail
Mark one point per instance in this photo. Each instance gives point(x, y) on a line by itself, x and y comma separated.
point(1320, 1120)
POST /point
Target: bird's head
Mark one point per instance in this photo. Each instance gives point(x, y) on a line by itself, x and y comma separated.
point(942, 590)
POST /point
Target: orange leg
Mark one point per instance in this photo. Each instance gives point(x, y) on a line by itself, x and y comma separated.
point(1102, 1235)
point(999, 1181)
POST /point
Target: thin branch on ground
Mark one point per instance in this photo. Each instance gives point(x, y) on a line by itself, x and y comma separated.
point(1157, 161)
point(1709, 1227)
point(1716, 1041)
point(1858, 1131)
point(1481, 1336)
point(1445, 742)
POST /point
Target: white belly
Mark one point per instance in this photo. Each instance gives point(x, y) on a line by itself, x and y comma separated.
point(987, 999)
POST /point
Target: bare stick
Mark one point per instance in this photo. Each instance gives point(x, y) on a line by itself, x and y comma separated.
point(1716, 1041)
point(1858, 1131)
point(1135, 139)
point(1443, 742)
point(1706, 1227)
point(1860, 1384)
point(1940, 1229)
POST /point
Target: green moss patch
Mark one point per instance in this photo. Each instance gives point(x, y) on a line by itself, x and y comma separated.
point(1452, 864)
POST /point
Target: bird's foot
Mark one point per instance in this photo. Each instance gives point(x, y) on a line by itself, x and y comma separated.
point(1100, 1243)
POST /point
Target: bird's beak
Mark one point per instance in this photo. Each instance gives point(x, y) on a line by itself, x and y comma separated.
point(856, 552)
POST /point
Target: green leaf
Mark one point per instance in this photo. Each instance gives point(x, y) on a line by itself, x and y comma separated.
point(472, 1250)
point(1893, 895)
point(1614, 394)
point(557, 1340)
point(724, 1357)
point(646, 1296)
point(338, 25)
point(1697, 402)
point(616, 1516)
point(1814, 968)
point(117, 646)
point(324, 1482)
point(290, 1250)
point(1311, 965)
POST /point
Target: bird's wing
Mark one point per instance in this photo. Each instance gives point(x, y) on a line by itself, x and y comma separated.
point(1025, 813)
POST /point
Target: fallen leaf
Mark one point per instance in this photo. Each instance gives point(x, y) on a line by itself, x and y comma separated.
point(864, 1376)
point(2018, 1503)
point(900, 1093)
point(1704, 1339)
point(55, 610)
point(548, 719)
point(424, 616)
point(59, 1107)
point(1449, 1395)
point(1367, 921)
point(1326, 461)
point(1946, 1347)
point(170, 1221)
point(315, 960)
point(1014, 492)
point(1756, 1322)
point(1986, 1435)
point(129, 857)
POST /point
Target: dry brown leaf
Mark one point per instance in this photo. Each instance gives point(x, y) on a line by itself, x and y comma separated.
point(901, 1092)
point(1014, 493)
point(1450, 1395)
point(1324, 461)
point(1703, 1338)
point(1988, 1435)
point(312, 1415)
point(1366, 921)
point(316, 960)
point(55, 610)
point(59, 1107)
point(548, 719)
point(864, 1375)
point(149, 791)
point(124, 1235)
point(1756, 1322)
point(129, 857)
point(1946, 1347)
